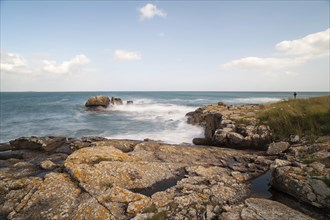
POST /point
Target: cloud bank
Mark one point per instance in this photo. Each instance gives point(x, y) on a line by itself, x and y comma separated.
point(293, 53)
point(149, 11)
point(14, 63)
point(127, 55)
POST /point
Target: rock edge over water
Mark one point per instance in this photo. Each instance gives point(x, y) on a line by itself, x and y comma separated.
point(234, 126)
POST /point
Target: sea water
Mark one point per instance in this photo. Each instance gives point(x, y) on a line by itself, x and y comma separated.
point(153, 115)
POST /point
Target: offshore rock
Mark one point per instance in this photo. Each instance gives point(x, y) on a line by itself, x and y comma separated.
point(96, 101)
point(116, 101)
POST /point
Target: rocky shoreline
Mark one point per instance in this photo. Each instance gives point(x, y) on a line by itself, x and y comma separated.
point(98, 178)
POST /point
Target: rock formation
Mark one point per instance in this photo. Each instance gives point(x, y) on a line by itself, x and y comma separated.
point(304, 173)
point(234, 126)
point(97, 178)
point(96, 101)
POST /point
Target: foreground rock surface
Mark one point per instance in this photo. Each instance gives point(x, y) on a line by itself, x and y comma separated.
point(96, 178)
point(260, 209)
point(96, 101)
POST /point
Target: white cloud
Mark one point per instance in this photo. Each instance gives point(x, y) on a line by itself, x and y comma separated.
point(316, 44)
point(294, 53)
point(127, 55)
point(149, 11)
point(16, 64)
point(65, 67)
point(13, 63)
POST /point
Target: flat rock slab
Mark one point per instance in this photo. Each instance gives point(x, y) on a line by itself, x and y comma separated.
point(295, 181)
point(261, 209)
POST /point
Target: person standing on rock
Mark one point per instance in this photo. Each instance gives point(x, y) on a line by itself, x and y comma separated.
point(295, 95)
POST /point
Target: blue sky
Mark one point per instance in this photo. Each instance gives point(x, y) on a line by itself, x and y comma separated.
point(165, 46)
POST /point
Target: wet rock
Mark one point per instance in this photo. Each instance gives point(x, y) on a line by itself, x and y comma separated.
point(116, 101)
point(278, 147)
point(5, 155)
point(5, 147)
point(200, 141)
point(129, 102)
point(96, 101)
point(34, 143)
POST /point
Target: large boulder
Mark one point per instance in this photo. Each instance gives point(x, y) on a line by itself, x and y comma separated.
point(96, 101)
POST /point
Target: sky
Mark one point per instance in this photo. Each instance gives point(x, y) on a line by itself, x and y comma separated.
point(165, 46)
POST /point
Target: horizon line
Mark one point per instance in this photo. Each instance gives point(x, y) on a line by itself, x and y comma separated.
point(170, 91)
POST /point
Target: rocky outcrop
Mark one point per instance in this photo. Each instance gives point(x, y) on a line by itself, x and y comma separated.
point(129, 102)
point(116, 101)
point(34, 143)
point(232, 126)
point(97, 178)
point(303, 172)
point(96, 101)
point(308, 188)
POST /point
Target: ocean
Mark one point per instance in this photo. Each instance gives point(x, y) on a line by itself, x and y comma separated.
point(154, 115)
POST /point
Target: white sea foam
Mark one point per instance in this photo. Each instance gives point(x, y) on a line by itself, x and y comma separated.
point(183, 133)
point(251, 100)
point(170, 118)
